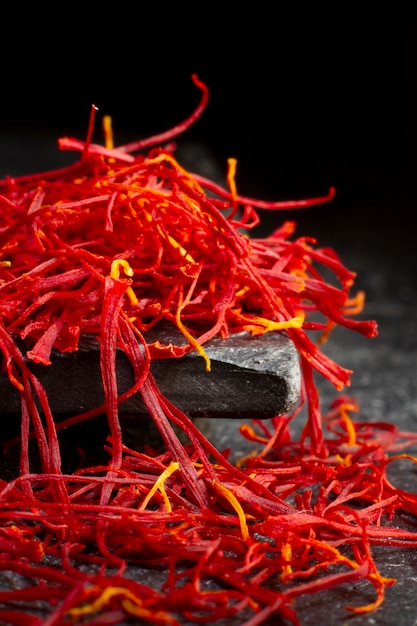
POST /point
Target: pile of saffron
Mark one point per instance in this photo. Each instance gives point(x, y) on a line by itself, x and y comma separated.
point(108, 247)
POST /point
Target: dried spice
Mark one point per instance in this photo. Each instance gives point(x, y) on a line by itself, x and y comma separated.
point(108, 248)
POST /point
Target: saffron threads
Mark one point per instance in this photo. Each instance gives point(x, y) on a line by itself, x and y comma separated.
point(109, 247)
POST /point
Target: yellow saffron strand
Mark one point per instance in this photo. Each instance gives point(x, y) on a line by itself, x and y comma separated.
point(294, 322)
point(175, 244)
point(108, 132)
point(193, 341)
point(183, 252)
point(355, 305)
point(350, 427)
point(231, 498)
point(231, 174)
point(260, 325)
point(159, 484)
point(156, 616)
point(101, 602)
point(133, 605)
point(186, 333)
point(118, 264)
point(286, 552)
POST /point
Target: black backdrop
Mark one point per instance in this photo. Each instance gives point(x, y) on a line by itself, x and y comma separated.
point(304, 98)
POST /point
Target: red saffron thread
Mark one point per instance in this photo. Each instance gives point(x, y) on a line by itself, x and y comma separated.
point(108, 247)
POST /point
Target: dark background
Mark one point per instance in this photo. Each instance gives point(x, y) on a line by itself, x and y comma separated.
point(303, 97)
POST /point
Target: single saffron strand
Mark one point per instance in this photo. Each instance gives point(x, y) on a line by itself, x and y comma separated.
point(231, 498)
point(178, 129)
point(108, 132)
point(90, 131)
point(159, 484)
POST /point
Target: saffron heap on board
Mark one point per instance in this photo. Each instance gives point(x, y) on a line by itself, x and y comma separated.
point(109, 247)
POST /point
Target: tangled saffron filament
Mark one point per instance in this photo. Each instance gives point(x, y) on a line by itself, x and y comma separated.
point(108, 247)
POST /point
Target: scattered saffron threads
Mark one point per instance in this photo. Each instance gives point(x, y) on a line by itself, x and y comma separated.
point(108, 247)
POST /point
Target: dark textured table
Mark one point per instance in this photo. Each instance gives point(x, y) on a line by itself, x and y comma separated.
point(372, 234)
